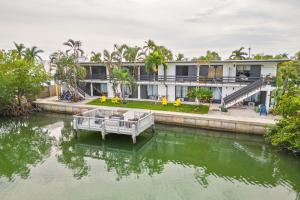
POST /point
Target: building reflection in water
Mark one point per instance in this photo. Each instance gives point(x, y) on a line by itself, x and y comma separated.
point(25, 143)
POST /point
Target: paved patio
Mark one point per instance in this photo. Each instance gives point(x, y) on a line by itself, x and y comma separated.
point(238, 114)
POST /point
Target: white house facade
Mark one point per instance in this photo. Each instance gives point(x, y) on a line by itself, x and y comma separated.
point(231, 81)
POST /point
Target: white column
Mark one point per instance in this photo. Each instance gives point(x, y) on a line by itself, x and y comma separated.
point(198, 71)
point(91, 71)
point(110, 93)
point(92, 92)
point(139, 91)
point(268, 97)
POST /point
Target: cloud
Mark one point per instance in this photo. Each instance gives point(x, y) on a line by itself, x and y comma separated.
point(188, 26)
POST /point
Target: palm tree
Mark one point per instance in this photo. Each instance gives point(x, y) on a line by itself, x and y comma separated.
point(33, 53)
point(108, 59)
point(118, 54)
point(210, 56)
point(179, 57)
point(134, 55)
point(166, 53)
point(238, 54)
point(160, 56)
point(20, 49)
point(74, 48)
point(149, 46)
point(152, 61)
point(96, 57)
point(76, 51)
point(122, 78)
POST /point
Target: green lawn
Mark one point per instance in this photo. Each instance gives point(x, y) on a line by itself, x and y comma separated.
point(198, 109)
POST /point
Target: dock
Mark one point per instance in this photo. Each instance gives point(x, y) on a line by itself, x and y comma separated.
point(131, 122)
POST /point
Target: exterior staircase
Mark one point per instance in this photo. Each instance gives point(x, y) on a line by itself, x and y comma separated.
point(243, 93)
point(83, 90)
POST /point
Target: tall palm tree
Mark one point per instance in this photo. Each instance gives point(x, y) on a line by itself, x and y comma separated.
point(134, 55)
point(119, 50)
point(149, 46)
point(210, 56)
point(238, 54)
point(160, 56)
point(74, 48)
point(96, 57)
point(152, 62)
point(76, 51)
point(108, 59)
point(167, 56)
point(166, 53)
point(33, 53)
point(20, 49)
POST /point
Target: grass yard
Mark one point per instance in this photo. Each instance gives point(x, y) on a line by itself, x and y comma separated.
point(197, 109)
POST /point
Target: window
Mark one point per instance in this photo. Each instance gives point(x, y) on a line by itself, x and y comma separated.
point(182, 70)
point(103, 87)
point(243, 70)
point(217, 92)
point(152, 90)
point(181, 91)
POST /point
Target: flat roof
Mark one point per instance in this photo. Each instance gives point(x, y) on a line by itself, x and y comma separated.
point(196, 62)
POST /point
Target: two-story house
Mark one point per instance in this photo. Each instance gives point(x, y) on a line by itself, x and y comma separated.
point(231, 81)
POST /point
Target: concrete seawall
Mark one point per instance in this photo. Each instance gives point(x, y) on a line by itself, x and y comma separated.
point(255, 126)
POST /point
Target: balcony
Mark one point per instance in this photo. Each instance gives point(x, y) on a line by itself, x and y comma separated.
point(198, 79)
point(185, 79)
point(96, 76)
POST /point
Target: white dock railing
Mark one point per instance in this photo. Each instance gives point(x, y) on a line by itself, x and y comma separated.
point(102, 121)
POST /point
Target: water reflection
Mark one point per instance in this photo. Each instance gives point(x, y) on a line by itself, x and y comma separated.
point(226, 158)
point(25, 143)
point(22, 145)
point(70, 156)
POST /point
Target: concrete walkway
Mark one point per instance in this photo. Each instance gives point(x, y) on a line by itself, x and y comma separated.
point(234, 114)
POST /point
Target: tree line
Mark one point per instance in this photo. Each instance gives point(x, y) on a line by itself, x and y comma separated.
point(21, 77)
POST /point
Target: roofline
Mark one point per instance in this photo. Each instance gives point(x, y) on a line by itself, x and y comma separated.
point(196, 62)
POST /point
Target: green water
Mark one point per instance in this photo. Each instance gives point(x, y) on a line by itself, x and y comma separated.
point(40, 159)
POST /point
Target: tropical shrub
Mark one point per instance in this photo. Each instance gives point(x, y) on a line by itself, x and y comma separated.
point(201, 94)
point(286, 132)
point(21, 79)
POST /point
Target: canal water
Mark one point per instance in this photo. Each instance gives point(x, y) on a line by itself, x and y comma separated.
point(40, 159)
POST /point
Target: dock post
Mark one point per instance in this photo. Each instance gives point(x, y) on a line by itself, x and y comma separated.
point(75, 133)
point(153, 128)
point(103, 135)
point(133, 139)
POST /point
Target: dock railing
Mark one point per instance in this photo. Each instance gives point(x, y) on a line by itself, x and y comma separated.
point(102, 121)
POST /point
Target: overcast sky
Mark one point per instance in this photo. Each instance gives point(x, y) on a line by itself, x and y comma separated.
point(187, 26)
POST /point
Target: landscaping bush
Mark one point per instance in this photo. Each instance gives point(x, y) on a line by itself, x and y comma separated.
point(201, 94)
point(286, 132)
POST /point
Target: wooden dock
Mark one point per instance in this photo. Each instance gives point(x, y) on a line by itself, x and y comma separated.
point(131, 123)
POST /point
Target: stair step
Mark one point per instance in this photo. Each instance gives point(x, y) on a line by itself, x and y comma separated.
point(243, 93)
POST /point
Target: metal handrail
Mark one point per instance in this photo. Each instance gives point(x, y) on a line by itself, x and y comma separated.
point(184, 79)
point(244, 91)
